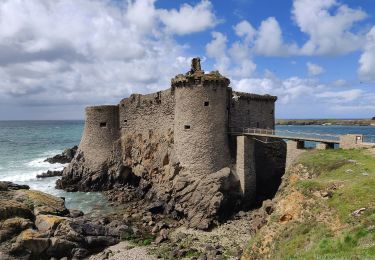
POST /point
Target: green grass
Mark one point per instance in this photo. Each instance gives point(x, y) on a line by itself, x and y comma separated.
point(349, 176)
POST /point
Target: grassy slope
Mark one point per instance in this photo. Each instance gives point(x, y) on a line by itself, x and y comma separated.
point(313, 209)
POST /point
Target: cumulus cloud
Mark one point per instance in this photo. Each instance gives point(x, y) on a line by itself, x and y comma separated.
point(300, 97)
point(91, 51)
point(314, 69)
point(329, 26)
point(246, 30)
point(367, 60)
point(189, 18)
point(269, 40)
point(234, 61)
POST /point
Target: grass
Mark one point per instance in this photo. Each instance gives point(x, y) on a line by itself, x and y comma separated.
point(349, 176)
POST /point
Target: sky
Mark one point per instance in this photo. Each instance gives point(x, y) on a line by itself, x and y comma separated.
point(57, 57)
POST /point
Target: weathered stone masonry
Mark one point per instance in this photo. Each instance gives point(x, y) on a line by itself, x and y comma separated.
point(176, 143)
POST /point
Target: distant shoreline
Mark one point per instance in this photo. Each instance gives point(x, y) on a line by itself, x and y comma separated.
point(347, 122)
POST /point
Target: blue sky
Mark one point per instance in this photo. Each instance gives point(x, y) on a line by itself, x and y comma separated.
point(56, 57)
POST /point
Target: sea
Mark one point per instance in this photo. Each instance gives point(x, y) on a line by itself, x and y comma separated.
point(24, 146)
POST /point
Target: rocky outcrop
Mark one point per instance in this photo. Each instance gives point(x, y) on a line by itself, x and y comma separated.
point(37, 225)
point(65, 157)
point(144, 167)
point(49, 174)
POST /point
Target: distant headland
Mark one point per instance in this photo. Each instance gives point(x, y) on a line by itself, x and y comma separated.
point(348, 122)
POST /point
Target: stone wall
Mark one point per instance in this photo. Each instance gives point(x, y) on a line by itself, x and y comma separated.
point(141, 113)
point(252, 111)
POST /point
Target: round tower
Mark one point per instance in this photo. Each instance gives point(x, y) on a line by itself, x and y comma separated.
point(100, 132)
point(200, 127)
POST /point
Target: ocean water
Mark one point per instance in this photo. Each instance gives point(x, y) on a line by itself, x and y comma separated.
point(24, 145)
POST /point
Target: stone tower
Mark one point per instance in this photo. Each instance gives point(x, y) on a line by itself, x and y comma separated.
point(99, 135)
point(201, 120)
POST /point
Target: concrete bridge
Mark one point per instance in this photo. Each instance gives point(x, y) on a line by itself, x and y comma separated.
point(325, 141)
point(245, 149)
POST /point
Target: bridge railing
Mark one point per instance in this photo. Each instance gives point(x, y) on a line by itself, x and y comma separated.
point(286, 133)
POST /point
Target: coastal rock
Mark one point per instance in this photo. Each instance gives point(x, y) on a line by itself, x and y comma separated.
point(75, 213)
point(13, 226)
point(37, 225)
point(32, 241)
point(48, 223)
point(65, 157)
point(10, 208)
point(49, 174)
point(7, 185)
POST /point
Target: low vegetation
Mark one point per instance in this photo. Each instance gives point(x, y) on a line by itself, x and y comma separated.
point(325, 209)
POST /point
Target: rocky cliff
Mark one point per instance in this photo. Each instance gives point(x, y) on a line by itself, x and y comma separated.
point(144, 167)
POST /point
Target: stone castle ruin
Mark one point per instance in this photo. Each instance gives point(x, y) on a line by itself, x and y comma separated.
point(174, 148)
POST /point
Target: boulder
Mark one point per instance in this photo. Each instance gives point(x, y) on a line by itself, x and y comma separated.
point(60, 247)
point(7, 185)
point(100, 241)
point(75, 213)
point(12, 208)
point(80, 253)
point(48, 223)
point(163, 236)
point(31, 241)
point(156, 207)
point(13, 226)
point(49, 174)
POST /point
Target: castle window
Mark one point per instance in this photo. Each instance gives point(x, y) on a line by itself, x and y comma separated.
point(186, 127)
point(122, 105)
point(103, 124)
point(257, 124)
point(206, 103)
point(125, 121)
point(272, 112)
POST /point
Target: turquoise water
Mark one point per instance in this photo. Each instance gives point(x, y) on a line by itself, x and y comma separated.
point(24, 145)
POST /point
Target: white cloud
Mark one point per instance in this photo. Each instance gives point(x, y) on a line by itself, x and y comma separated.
point(269, 40)
point(329, 26)
point(367, 60)
point(341, 96)
point(234, 62)
point(90, 51)
point(189, 18)
point(314, 69)
point(217, 49)
point(246, 30)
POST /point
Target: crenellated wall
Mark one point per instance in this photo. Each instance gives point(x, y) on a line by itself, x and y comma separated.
point(252, 111)
point(141, 113)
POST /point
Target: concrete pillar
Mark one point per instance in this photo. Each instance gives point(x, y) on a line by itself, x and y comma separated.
point(296, 144)
point(351, 141)
point(324, 146)
point(245, 168)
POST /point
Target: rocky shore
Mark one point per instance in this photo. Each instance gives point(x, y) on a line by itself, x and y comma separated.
point(35, 225)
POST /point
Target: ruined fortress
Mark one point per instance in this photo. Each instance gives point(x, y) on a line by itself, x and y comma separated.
point(175, 146)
